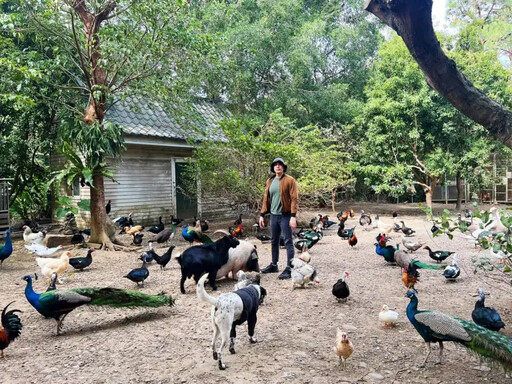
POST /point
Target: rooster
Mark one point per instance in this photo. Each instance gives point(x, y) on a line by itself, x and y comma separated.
point(410, 276)
point(237, 231)
point(48, 266)
point(352, 240)
point(302, 273)
point(343, 347)
point(11, 328)
point(31, 237)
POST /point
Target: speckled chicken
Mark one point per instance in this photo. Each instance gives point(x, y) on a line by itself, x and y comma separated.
point(302, 273)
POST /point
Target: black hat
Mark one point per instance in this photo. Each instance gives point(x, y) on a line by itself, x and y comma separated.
point(278, 160)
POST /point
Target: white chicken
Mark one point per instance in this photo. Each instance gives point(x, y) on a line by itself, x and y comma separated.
point(387, 316)
point(302, 273)
point(41, 250)
point(50, 265)
point(242, 282)
point(32, 237)
point(304, 254)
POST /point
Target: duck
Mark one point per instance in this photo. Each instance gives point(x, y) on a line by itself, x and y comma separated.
point(486, 316)
point(412, 246)
point(438, 255)
point(157, 228)
point(388, 317)
point(407, 231)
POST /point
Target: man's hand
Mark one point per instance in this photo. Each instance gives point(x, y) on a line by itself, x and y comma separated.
point(262, 222)
point(293, 223)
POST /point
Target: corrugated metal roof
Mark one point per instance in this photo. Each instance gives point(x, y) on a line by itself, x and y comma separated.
point(139, 118)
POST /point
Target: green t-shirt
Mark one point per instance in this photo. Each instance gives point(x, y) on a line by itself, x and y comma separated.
point(275, 197)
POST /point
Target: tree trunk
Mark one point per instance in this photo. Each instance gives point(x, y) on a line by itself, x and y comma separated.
point(412, 20)
point(333, 200)
point(460, 191)
point(429, 191)
point(99, 215)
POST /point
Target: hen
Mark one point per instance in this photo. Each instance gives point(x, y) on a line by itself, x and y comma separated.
point(343, 347)
point(340, 289)
point(302, 273)
point(410, 276)
point(133, 230)
point(11, 328)
point(31, 237)
point(59, 266)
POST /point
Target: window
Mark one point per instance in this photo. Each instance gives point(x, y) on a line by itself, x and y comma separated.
point(76, 187)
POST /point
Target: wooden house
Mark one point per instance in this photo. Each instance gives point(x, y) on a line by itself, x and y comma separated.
point(150, 173)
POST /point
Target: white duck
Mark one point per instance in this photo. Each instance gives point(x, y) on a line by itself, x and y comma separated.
point(302, 273)
point(41, 250)
point(387, 316)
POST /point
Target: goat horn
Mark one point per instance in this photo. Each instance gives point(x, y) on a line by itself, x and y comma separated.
point(222, 231)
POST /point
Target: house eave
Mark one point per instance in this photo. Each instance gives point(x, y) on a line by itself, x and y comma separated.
point(157, 142)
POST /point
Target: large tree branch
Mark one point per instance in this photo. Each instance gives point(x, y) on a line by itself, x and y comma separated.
point(412, 20)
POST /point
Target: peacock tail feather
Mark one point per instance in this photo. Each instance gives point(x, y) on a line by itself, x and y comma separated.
point(419, 264)
point(489, 344)
point(120, 298)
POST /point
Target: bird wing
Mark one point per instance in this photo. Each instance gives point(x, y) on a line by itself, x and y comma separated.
point(62, 299)
point(443, 325)
point(306, 270)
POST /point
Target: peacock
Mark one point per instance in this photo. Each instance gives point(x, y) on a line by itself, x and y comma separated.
point(10, 329)
point(57, 304)
point(191, 235)
point(6, 249)
point(403, 259)
point(387, 252)
point(437, 327)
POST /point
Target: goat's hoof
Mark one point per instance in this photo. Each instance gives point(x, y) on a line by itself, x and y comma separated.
point(215, 356)
point(253, 340)
point(222, 366)
point(232, 350)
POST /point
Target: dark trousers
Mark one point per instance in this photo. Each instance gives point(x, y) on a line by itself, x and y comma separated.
point(280, 224)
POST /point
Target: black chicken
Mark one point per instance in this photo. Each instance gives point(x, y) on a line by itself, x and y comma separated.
point(82, 262)
point(137, 238)
point(165, 258)
point(138, 275)
point(158, 227)
point(108, 207)
point(340, 288)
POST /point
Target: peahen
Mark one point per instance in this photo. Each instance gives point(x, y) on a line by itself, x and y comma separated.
point(437, 327)
point(10, 329)
point(6, 249)
point(57, 304)
point(403, 259)
point(486, 316)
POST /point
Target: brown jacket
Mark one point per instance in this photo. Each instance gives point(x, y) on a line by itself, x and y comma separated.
point(289, 192)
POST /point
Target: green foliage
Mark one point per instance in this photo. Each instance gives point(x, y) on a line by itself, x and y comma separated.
point(66, 205)
point(237, 169)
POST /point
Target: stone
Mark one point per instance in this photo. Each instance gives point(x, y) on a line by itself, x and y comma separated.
point(376, 376)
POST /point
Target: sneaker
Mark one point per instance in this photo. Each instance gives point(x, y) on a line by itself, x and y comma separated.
point(271, 268)
point(287, 274)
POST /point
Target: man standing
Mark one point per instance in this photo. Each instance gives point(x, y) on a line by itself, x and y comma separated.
point(280, 199)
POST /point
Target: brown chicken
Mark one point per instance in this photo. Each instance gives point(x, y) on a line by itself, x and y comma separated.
point(50, 265)
point(133, 230)
point(343, 347)
point(410, 276)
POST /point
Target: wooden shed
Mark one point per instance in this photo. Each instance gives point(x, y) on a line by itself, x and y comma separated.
point(150, 173)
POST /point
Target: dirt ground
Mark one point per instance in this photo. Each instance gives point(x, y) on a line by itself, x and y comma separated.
point(295, 329)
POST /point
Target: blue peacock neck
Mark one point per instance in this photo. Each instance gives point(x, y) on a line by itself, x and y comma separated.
point(412, 309)
point(32, 297)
